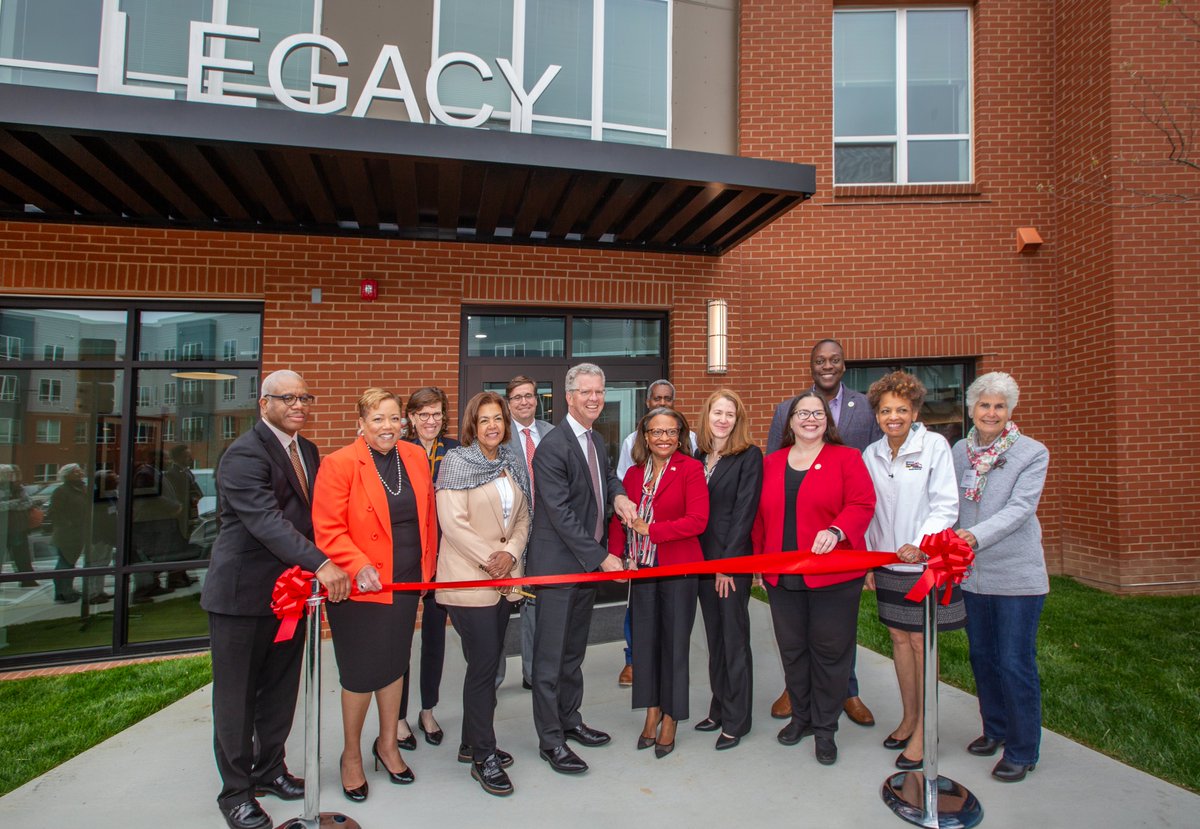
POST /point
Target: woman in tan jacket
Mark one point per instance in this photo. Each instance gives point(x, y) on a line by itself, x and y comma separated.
point(483, 504)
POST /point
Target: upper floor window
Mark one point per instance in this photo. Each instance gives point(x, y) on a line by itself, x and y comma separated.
point(51, 353)
point(902, 96)
point(8, 387)
point(49, 431)
point(10, 347)
point(614, 84)
point(49, 391)
point(229, 350)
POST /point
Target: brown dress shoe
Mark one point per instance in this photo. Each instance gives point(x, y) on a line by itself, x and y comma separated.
point(781, 709)
point(858, 712)
point(626, 678)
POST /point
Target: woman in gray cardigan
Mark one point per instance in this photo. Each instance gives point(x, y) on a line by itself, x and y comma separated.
point(1001, 474)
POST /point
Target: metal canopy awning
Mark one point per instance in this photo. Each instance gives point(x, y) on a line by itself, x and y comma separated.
point(77, 156)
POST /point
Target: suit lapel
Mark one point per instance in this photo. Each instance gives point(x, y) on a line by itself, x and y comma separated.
point(279, 457)
point(720, 469)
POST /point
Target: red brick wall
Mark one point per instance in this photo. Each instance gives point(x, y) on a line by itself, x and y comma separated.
point(1092, 325)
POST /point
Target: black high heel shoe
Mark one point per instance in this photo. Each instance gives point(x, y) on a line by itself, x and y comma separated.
point(895, 743)
point(357, 794)
point(644, 742)
point(402, 778)
point(906, 763)
point(661, 750)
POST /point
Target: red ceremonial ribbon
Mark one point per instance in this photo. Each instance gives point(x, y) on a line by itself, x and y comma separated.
point(949, 560)
point(293, 588)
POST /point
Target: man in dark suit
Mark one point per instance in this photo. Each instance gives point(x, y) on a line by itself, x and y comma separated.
point(527, 434)
point(858, 428)
point(264, 483)
point(573, 486)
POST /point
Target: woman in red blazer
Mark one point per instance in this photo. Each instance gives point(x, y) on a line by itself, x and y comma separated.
point(374, 516)
point(817, 495)
point(668, 485)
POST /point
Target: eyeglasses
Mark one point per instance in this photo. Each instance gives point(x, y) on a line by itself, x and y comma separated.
point(663, 433)
point(290, 400)
point(804, 414)
point(429, 417)
point(521, 398)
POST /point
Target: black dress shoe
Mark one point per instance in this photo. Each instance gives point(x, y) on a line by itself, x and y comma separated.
point(402, 778)
point(906, 763)
point(285, 787)
point(247, 815)
point(563, 760)
point(793, 733)
point(465, 755)
point(586, 736)
point(1009, 772)
point(356, 795)
point(491, 776)
point(893, 744)
point(826, 751)
point(725, 741)
point(434, 738)
point(984, 746)
point(525, 684)
point(408, 743)
point(708, 724)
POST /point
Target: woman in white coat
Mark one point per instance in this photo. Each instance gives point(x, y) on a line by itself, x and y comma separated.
point(915, 495)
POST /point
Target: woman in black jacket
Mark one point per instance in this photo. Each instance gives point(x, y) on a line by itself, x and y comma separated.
point(733, 468)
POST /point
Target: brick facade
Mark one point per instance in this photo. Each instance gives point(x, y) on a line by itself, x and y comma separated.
point(1093, 324)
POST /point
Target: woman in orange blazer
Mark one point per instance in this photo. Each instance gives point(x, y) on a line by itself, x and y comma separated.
point(817, 495)
point(373, 515)
point(668, 486)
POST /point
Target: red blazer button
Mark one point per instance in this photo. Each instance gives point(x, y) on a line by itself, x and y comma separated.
point(374, 536)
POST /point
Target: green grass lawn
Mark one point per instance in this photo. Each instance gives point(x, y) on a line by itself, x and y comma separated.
point(1120, 674)
point(48, 720)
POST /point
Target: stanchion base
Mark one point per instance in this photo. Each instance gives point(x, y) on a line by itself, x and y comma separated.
point(904, 794)
point(325, 820)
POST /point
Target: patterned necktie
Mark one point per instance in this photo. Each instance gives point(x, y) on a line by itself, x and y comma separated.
point(594, 469)
point(529, 450)
point(294, 454)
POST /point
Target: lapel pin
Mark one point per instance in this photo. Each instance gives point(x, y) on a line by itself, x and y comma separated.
point(850, 403)
point(817, 466)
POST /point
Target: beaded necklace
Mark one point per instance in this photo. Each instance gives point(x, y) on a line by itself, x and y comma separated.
point(399, 480)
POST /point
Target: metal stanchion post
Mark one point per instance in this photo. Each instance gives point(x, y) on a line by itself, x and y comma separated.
point(923, 797)
point(313, 817)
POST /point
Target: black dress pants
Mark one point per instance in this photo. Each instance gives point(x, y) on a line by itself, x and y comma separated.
point(433, 655)
point(816, 629)
point(482, 631)
point(662, 614)
point(255, 684)
point(730, 665)
point(559, 645)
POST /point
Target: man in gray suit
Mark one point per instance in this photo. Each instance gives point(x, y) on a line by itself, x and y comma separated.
point(858, 428)
point(527, 434)
point(264, 485)
point(573, 488)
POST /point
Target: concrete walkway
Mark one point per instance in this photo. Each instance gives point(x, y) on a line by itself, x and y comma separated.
point(160, 772)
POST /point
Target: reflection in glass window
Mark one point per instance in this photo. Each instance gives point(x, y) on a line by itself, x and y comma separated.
point(49, 391)
point(605, 337)
point(60, 334)
point(49, 431)
point(613, 83)
point(8, 388)
point(513, 336)
point(10, 430)
point(944, 410)
point(196, 336)
point(902, 96)
point(56, 32)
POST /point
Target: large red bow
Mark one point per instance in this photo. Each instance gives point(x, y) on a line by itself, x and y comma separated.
point(949, 560)
point(291, 591)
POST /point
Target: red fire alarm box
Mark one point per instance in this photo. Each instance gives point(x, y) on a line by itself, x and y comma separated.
point(369, 290)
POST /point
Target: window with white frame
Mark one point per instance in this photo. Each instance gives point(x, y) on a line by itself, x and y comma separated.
point(902, 95)
point(81, 431)
point(9, 388)
point(169, 354)
point(58, 42)
point(193, 351)
point(145, 432)
point(10, 347)
point(145, 396)
point(192, 393)
point(170, 393)
point(229, 429)
point(253, 387)
point(254, 346)
point(53, 353)
point(229, 350)
point(49, 431)
point(168, 429)
point(228, 389)
point(614, 84)
point(45, 472)
point(10, 431)
point(49, 391)
point(193, 429)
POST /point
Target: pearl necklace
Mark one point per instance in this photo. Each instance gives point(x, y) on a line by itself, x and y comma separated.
point(399, 480)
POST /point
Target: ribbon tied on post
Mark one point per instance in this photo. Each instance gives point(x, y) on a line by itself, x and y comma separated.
point(288, 598)
point(949, 560)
